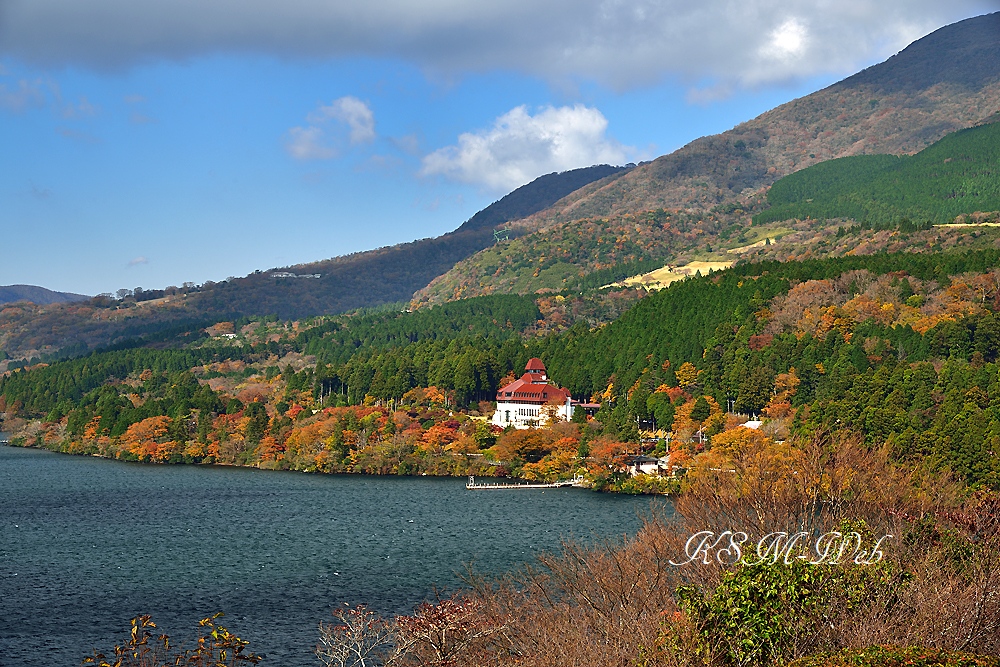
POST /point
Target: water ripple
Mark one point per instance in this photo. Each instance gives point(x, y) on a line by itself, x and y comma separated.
point(86, 544)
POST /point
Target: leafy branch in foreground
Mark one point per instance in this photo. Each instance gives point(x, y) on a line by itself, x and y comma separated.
point(217, 647)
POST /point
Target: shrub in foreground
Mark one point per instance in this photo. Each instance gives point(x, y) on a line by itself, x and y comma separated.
point(895, 656)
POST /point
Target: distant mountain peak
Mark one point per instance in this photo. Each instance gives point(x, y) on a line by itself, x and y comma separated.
point(964, 54)
point(538, 195)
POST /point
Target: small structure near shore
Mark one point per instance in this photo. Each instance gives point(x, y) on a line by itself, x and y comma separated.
point(647, 465)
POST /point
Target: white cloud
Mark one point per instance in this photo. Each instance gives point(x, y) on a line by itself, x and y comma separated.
point(620, 43)
point(317, 142)
point(307, 143)
point(520, 147)
point(136, 261)
point(351, 111)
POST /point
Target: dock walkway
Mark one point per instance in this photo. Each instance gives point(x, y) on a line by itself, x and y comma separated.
point(474, 485)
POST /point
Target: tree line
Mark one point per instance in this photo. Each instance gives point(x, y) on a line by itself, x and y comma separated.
point(899, 348)
point(954, 176)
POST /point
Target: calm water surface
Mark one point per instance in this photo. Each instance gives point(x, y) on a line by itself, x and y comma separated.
point(86, 544)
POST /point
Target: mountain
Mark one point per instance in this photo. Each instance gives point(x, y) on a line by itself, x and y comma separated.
point(36, 295)
point(946, 81)
point(696, 203)
point(389, 274)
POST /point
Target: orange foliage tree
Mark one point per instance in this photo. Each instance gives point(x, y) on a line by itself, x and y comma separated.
point(780, 405)
point(608, 455)
point(147, 440)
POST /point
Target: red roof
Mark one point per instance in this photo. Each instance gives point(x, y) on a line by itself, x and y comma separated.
point(530, 390)
point(535, 364)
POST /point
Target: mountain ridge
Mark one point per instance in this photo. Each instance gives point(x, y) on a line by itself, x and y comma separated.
point(37, 295)
point(796, 134)
point(389, 274)
point(681, 202)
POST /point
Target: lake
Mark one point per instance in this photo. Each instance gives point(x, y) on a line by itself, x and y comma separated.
point(86, 544)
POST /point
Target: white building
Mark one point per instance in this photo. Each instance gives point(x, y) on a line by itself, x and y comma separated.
point(530, 400)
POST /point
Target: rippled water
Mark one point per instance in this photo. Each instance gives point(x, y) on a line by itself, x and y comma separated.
point(86, 544)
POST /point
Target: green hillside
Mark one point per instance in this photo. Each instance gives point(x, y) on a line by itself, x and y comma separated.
point(959, 174)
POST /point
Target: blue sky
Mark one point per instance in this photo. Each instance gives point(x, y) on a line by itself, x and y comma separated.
point(149, 144)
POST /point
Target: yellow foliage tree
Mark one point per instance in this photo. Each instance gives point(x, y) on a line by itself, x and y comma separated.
point(780, 405)
point(552, 466)
point(687, 375)
point(738, 440)
point(684, 424)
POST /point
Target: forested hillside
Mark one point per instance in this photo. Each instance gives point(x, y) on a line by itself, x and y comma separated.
point(958, 175)
point(899, 349)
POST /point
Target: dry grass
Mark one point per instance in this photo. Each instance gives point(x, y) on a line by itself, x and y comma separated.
point(618, 604)
point(662, 277)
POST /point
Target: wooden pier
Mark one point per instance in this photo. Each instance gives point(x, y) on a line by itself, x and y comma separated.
point(476, 486)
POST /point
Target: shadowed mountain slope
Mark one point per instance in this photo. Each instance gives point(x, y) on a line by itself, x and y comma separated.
point(37, 295)
point(365, 279)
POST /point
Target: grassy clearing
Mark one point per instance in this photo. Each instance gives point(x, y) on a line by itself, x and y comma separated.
point(662, 277)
